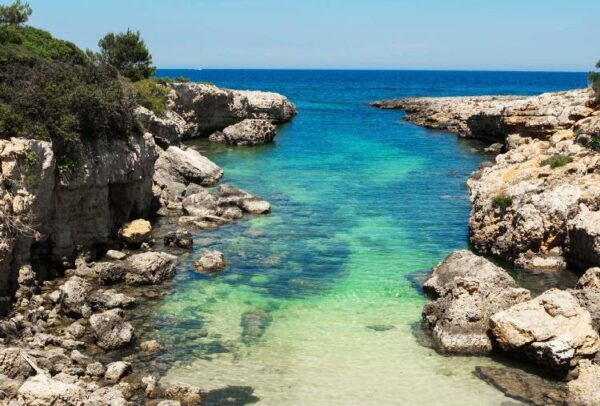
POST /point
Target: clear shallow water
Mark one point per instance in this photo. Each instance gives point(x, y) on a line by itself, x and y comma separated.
point(318, 304)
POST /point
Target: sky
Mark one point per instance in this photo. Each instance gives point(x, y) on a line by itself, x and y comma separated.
point(534, 35)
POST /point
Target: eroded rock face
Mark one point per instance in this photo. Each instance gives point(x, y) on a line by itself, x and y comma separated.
point(111, 330)
point(543, 220)
point(168, 129)
point(208, 108)
point(583, 391)
point(495, 117)
point(247, 132)
point(587, 293)
point(13, 365)
point(469, 290)
point(553, 330)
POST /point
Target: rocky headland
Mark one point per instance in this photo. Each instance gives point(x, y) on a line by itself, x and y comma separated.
point(80, 259)
point(537, 209)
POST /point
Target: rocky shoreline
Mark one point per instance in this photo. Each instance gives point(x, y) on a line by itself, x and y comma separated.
point(536, 208)
point(78, 276)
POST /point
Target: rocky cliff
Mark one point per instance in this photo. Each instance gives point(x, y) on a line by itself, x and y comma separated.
point(50, 214)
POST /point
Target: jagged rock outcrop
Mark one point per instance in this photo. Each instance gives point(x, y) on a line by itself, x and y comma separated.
point(247, 132)
point(495, 117)
point(468, 290)
point(59, 210)
point(533, 213)
point(553, 330)
point(167, 130)
point(587, 293)
point(207, 108)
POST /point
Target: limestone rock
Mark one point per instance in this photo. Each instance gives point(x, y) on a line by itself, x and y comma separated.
point(247, 132)
point(150, 346)
point(211, 261)
point(169, 129)
point(117, 370)
point(13, 365)
point(150, 268)
point(587, 293)
point(73, 297)
point(584, 238)
point(109, 299)
point(186, 394)
point(110, 273)
point(95, 369)
point(136, 232)
point(255, 205)
point(111, 330)
point(468, 291)
point(107, 396)
point(116, 255)
point(40, 390)
point(583, 391)
point(552, 329)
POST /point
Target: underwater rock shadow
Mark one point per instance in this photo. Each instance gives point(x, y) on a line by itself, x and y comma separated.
point(230, 396)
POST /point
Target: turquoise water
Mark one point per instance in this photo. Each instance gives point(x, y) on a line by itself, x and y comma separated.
point(319, 303)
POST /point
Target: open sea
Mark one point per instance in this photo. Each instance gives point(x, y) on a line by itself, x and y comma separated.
point(320, 303)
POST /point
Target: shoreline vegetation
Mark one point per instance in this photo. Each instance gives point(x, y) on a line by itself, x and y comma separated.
point(535, 208)
point(91, 148)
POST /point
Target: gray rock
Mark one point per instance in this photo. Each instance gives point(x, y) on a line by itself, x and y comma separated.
point(76, 330)
point(41, 390)
point(150, 268)
point(255, 205)
point(247, 132)
point(107, 396)
point(110, 273)
point(73, 298)
point(150, 346)
point(111, 330)
point(117, 370)
point(109, 299)
point(180, 238)
point(552, 329)
point(95, 369)
point(211, 261)
point(583, 391)
point(13, 365)
point(584, 238)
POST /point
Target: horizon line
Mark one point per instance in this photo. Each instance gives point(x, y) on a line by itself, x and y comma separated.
point(385, 70)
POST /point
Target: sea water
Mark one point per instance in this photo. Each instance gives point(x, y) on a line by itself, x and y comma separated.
point(320, 303)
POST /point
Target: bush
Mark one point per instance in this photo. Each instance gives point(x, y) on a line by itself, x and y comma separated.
point(50, 90)
point(557, 161)
point(128, 53)
point(150, 93)
point(15, 14)
point(503, 202)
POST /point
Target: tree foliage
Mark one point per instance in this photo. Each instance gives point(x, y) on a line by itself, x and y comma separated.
point(127, 52)
point(15, 14)
point(51, 90)
point(595, 81)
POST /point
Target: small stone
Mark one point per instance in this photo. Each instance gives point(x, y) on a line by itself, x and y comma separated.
point(95, 369)
point(79, 358)
point(117, 370)
point(151, 389)
point(255, 205)
point(150, 346)
point(76, 330)
point(180, 238)
point(111, 330)
point(115, 255)
point(211, 261)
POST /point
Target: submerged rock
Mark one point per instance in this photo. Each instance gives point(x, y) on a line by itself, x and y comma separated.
point(254, 323)
point(186, 394)
point(553, 330)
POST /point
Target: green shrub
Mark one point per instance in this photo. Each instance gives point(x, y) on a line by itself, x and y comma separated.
point(503, 202)
point(594, 143)
point(128, 53)
point(51, 90)
point(556, 161)
point(150, 93)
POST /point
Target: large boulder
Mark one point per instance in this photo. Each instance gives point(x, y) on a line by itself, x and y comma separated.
point(111, 330)
point(150, 268)
point(552, 329)
point(41, 390)
point(72, 297)
point(469, 290)
point(247, 132)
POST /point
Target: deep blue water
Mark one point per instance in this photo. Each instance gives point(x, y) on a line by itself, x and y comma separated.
point(362, 201)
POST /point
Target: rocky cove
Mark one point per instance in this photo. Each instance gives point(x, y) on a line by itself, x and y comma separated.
point(80, 264)
point(535, 209)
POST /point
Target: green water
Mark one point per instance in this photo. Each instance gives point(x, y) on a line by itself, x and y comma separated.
point(320, 303)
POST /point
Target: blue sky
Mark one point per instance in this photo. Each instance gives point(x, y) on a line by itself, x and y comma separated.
point(556, 35)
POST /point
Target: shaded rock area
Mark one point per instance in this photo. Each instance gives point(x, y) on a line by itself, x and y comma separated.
point(468, 291)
